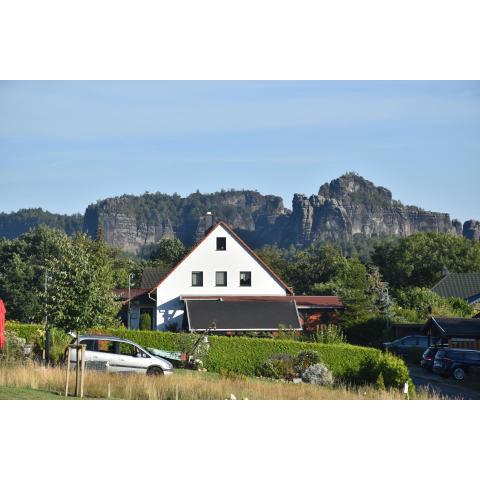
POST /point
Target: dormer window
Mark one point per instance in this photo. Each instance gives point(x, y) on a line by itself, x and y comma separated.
point(221, 243)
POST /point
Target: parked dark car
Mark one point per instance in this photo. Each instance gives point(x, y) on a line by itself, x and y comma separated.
point(428, 356)
point(404, 346)
point(455, 362)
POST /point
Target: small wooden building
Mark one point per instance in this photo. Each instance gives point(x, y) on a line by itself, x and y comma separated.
point(457, 332)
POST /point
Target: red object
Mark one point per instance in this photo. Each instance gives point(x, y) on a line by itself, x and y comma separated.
point(2, 324)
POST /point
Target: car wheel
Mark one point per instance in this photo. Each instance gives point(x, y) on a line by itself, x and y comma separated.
point(156, 371)
point(459, 373)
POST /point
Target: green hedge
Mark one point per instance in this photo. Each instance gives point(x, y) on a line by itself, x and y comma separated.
point(31, 332)
point(244, 355)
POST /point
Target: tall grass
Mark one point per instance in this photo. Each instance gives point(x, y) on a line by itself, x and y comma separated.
point(185, 385)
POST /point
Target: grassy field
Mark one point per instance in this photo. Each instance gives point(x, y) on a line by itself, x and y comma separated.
point(16, 393)
point(37, 382)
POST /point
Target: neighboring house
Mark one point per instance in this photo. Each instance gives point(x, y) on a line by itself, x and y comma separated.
point(460, 285)
point(458, 332)
point(140, 302)
point(222, 281)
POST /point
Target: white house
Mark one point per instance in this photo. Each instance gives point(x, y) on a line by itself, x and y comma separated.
point(219, 265)
point(222, 282)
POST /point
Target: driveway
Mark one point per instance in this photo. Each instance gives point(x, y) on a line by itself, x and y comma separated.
point(445, 387)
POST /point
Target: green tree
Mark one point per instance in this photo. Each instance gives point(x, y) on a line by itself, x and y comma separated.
point(276, 259)
point(80, 291)
point(420, 260)
point(170, 251)
point(22, 271)
point(416, 304)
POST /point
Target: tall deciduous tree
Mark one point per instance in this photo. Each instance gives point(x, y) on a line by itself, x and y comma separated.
point(170, 251)
point(80, 290)
point(422, 259)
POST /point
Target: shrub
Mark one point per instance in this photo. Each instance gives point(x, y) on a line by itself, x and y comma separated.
point(14, 347)
point(369, 332)
point(380, 383)
point(305, 359)
point(393, 370)
point(59, 342)
point(145, 321)
point(328, 334)
point(318, 374)
point(278, 366)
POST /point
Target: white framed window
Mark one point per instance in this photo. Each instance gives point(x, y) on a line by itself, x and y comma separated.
point(221, 279)
point(221, 243)
point(197, 279)
point(245, 279)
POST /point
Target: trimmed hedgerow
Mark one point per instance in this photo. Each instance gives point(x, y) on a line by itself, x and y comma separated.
point(31, 332)
point(244, 355)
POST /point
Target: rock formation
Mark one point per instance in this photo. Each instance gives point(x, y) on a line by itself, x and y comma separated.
point(345, 207)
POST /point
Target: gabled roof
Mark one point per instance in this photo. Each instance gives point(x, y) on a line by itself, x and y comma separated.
point(461, 285)
point(454, 326)
point(151, 276)
point(244, 245)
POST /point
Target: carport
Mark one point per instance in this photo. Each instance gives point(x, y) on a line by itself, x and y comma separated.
point(458, 332)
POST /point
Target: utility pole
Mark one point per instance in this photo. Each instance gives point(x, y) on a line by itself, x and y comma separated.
point(130, 279)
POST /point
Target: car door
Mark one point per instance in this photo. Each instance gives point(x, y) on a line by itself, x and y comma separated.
point(129, 359)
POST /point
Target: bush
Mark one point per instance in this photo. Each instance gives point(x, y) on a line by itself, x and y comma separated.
point(318, 374)
point(278, 366)
point(393, 370)
point(305, 359)
point(14, 347)
point(145, 321)
point(59, 342)
point(370, 332)
point(328, 334)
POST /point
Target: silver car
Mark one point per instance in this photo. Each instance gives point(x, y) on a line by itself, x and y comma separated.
point(119, 355)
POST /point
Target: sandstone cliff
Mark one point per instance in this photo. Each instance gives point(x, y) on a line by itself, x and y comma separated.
point(352, 205)
point(347, 206)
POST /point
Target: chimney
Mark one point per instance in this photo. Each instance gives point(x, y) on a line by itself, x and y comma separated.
point(208, 222)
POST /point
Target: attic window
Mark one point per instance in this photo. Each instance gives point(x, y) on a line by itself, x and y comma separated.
point(221, 243)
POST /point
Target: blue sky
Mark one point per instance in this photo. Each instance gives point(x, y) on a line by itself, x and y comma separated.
point(64, 145)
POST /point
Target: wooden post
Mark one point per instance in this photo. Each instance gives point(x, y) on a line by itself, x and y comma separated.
point(68, 370)
point(77, 369)
point(83, 349)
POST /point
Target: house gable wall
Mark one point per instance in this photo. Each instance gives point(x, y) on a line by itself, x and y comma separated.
point(205, 258)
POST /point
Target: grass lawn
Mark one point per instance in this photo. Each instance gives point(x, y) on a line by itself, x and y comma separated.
point(36, 382)
point(18, 393)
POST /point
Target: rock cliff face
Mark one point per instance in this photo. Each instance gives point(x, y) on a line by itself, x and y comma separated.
point(344, 207)
point(133, 223)
point(352, 205)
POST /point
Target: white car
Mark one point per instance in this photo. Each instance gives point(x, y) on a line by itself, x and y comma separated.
point(120, 355)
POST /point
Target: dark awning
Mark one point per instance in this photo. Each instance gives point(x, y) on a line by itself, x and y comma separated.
point(231, 316)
